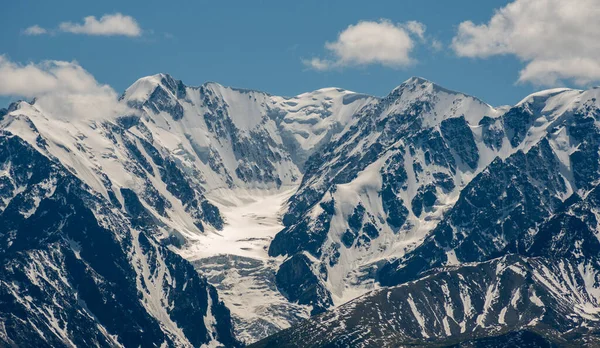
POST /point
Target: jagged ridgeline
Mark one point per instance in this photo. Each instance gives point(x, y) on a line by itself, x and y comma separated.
point(215, 216)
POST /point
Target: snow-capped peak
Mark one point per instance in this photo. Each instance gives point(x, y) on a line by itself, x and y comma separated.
point(422, 84)
point(439, 103)
point(425, 86)
point(143, 88)
point(543, 95)
point(18, 105)
point(557, 101)
point(417, 80)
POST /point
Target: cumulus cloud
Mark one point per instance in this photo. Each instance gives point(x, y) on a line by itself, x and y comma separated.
point(62, 89)
point(368, 42)
point(35, 30)
point(557, 39)
point(108, 25)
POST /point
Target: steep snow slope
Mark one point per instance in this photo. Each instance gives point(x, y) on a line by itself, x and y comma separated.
point(242, 138)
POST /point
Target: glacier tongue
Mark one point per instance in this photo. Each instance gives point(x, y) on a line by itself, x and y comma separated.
point(251, 221)
point(236, 261)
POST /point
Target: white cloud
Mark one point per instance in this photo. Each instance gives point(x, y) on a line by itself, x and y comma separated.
point(107, 25)
point(62, 89)
point(416, 28)
point(436, 45)
point(366, 42)
point(35, 30)
point(557, 39)
point(318, 64)
point(583, 71)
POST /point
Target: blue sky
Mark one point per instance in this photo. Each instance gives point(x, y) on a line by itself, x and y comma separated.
point(262, 44)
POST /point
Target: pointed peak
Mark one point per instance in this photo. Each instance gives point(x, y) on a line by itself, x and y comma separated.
point(417, 80)
point(20, 105)
point(143, 88)
point(212, 84)
point(18, 110)
point(418, 86)
point(155, 79)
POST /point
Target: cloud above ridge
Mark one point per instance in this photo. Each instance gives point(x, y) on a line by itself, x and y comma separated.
point(62, 89)
point(558, 40)
point(115, 24)
point(371, 42)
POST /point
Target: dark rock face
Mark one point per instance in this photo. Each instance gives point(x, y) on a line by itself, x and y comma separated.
point(394, 208)
point(295, 277)
point(492, 132)
point(493, 212)
point(306, 235)
point(444, 181)
point(161, 99)
point(394, 179)
point(459, 137)
point(585, 161)
point(517, 122)
point(436, 150)
point(297, 283)
point(355, 222)
point(361, 232)
point(572, 233)
point(254, 150)
point(73, 269)
point(425, 199)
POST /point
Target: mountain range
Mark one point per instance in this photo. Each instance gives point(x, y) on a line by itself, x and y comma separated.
point(216, 216)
